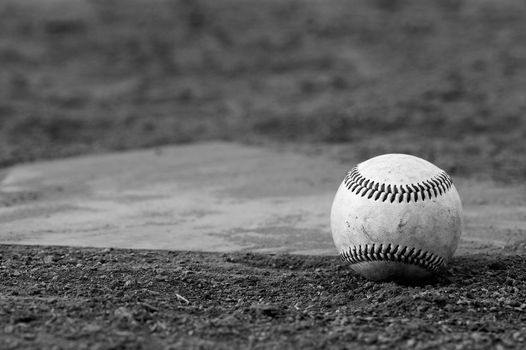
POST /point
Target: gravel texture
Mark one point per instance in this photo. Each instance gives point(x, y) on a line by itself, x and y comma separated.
point(60, 298)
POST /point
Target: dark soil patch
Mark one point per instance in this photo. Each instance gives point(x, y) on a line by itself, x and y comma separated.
point(443, 80)
point(58, 298)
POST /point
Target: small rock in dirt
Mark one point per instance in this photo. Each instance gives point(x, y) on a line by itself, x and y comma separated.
point(123, 313)
point(29, 336)
point(91, 328)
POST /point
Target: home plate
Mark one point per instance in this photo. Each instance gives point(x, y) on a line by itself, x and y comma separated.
point(212, 197)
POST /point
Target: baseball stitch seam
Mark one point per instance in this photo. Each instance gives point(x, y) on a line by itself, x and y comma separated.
point(394, 253)
point(427, 189)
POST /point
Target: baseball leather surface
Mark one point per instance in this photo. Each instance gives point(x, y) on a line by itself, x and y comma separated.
point(396, 216)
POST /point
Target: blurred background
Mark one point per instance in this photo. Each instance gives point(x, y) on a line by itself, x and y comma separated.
point(441, 79)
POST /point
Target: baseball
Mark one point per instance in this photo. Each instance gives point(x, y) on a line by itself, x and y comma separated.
point(396, 217)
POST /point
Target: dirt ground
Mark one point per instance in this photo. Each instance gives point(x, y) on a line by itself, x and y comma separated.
point(443, 80)
point(55, 298)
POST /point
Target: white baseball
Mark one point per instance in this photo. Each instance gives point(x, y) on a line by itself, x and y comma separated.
point(396, 216)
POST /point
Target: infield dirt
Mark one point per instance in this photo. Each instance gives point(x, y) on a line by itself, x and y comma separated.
point(55, 298)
